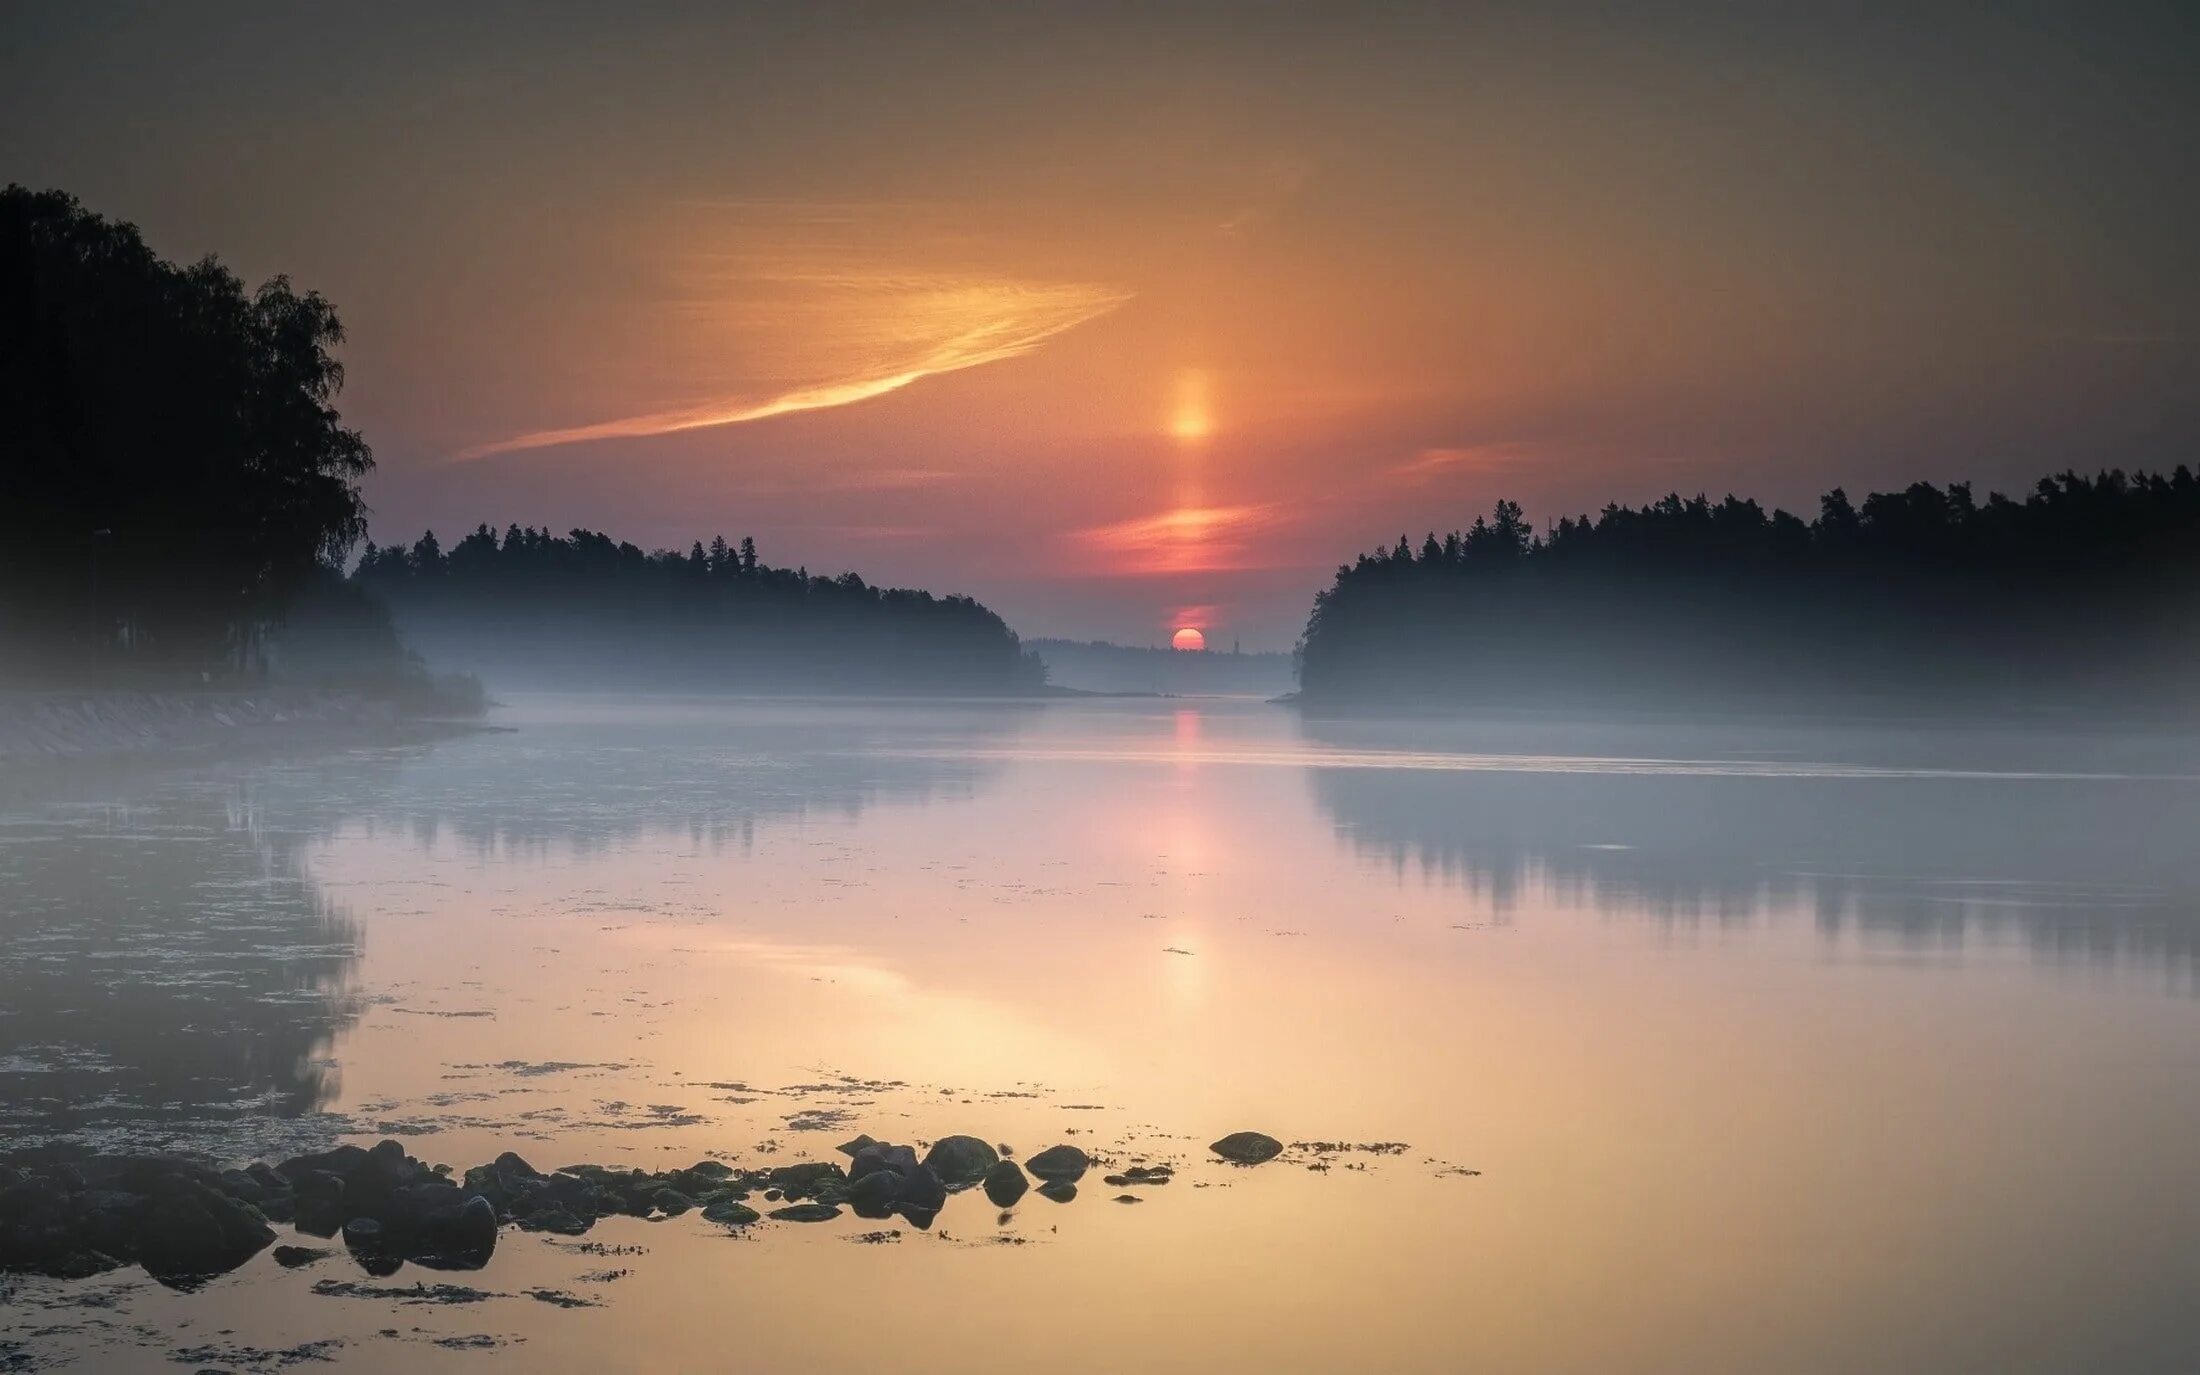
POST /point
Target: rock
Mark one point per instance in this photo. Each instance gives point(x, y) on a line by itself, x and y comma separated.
point(960, 1159)
point(318, 1203)
point(1247, 1148)
point(510, 1163)
point(1128, 1198)
point(923, 1191)
point(294, 1257)
point(875, 1194)
point(1059, 1163)
point(671, 1202)
point(710, 1169)
point(191, 1232)
point(880, 1156)
point(729, 1212)
point(1057, 1191)
point(339, 1162)
point(363, 1234)
point(556, 1219)
point(919, 1218)
point(1005, 1183)
point(800, 1181)
point(806, 1212)
point(106, 1221)
point(1142, 1174)
point(856, 1146)
point(460, 1238)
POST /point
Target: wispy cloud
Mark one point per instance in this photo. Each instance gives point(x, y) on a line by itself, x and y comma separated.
point(1188, 539)
point(829, 296)
point(1473, 458)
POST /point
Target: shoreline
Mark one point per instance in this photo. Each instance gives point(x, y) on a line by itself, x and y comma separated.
point(60, 727)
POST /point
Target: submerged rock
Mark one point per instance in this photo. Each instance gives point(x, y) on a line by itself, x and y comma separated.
point(1142, 1174)
point(1057, 1191)
point(806, 1212)
point(1005, 1183)
point(1247, 1148)
point(730, 1213)
point(1059, 1163)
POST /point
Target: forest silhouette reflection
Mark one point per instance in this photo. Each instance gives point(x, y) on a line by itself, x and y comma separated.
point(174, 966)
point(2047, 845)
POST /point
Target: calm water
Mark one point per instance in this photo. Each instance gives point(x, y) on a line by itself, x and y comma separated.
point(1714, 1049)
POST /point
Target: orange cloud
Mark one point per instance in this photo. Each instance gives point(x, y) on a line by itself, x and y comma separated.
point(1188, 539)
point(890, 329)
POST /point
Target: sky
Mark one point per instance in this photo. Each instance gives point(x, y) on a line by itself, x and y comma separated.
point(1123, 317)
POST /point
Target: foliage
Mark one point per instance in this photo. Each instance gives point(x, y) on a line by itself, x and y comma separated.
point(584, 609)
point(174, 466)
point(2085, 591)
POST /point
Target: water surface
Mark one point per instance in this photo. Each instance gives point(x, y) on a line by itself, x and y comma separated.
point(1713, 1047)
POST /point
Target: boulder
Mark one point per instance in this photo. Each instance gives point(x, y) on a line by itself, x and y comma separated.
point(960, 1160)
point(922, 1191)
point(1065, 1163)
point(511, 1163)
point(879, 1156)
point(363, 1234)
point(1247, 1148)
point(339, 1162)
point(461, 1238)
point(875, 1194)
point(317, 1203)
point(1005, 1183)
point(190, 1232)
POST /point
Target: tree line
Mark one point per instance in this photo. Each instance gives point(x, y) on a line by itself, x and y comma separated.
point(583, 609)
point(172, 465)
point(2084, 593)
point(180, 498)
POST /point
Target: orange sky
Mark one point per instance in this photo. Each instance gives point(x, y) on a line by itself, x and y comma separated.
point(1127, 318)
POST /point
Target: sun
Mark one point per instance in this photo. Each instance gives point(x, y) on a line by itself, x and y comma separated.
point(1191, 419)
point(1188, 638)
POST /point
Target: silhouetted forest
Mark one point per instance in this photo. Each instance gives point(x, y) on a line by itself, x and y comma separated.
point(2085, 594)
point(181, 496)
point(174, 467)
point(583, 610)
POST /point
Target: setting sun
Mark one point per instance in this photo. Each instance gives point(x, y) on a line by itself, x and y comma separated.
point(1188, 638)
point(1192, 418)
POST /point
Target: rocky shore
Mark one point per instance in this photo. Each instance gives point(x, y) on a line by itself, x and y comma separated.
point(186, 1222)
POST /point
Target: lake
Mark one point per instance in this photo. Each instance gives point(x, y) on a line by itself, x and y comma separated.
point(1644, 1046)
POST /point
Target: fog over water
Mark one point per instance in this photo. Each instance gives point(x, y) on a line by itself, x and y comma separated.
point(1735, 1047)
